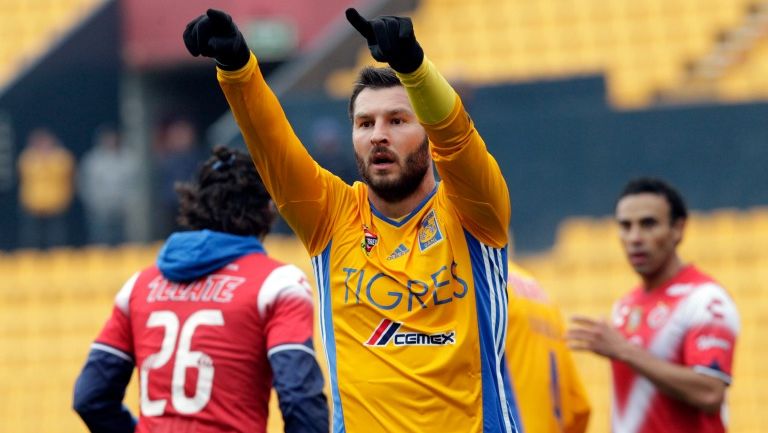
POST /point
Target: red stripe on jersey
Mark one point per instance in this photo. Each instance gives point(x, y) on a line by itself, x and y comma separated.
point(377, 333)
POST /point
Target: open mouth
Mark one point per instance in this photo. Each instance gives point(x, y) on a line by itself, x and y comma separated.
point(382, 159)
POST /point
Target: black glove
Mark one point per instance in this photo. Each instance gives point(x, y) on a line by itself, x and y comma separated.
point(215, 35)
point(390, 39)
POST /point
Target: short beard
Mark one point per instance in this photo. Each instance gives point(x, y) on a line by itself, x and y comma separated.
point(392, 191)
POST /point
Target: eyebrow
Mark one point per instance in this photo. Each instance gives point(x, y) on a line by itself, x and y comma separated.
point(390, 113)
point(641, 219)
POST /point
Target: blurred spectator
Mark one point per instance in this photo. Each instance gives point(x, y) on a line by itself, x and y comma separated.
point(46, 171)
point(106, 178)
point(177, 158)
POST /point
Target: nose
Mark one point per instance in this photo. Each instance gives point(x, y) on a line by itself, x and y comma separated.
point(380, 134)
point(634, 235)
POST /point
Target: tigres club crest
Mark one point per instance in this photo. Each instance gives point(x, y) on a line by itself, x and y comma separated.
point(429, 231)
point(369, 240)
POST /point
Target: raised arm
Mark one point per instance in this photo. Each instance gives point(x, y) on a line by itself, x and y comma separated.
point(300, 188)
point(471, 177)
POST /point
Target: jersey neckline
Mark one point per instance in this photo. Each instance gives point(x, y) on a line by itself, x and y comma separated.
point(404, 220)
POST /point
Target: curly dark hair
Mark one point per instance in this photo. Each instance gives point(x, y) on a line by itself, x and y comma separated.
point(228, 196)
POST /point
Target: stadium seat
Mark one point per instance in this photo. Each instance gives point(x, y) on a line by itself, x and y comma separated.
point(34, 26)
point(643, 48)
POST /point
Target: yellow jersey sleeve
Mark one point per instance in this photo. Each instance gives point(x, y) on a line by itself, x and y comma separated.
point(472, 179)
point(305, 193)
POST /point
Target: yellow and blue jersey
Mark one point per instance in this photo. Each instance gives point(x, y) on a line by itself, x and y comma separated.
point(412, 311)
point(548, 388)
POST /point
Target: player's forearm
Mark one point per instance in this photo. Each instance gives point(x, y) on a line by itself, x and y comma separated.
point(481, 197)
point(265, 128)
point(677, 381)
point(471, 176)
point(432, 97)
point(274, 147)
point(299, 386)
point(99, 393)
point(117, 419)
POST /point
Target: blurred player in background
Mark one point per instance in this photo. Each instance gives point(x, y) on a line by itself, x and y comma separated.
point(411, 273)
point(548, 388)
point(672, 339)
point(212, 326)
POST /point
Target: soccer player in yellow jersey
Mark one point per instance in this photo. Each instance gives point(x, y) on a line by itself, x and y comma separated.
point(411, 273)
point(551, 396)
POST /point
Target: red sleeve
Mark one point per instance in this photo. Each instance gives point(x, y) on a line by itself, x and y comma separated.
point(710, 346)
point(711, 335)
point(285, 304)
point(117, 332)
point(289, 321)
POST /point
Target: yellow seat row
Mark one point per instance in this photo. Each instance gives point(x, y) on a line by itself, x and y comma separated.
point(34, 25)
point(642, 47)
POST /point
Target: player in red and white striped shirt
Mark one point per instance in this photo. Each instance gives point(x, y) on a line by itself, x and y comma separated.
point(672, 339)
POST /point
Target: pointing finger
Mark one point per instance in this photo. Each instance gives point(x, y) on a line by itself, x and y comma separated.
point(583, 320)
point(360, 24)
point(219, 19)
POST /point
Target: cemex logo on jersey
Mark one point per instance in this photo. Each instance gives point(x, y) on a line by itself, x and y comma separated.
point(387, 331)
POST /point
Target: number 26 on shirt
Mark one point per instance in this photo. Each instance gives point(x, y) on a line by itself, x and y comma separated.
point(184, 359)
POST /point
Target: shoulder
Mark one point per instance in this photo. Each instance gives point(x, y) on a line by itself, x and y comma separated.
point(63, 155)
point(139, 284)
point(283, 281)
point(630, 297)
point(707, 302)
point(285, 273)
point(123, 297)
point(708, 293)
point(697, 287)
point(271, 271)
point(524, 285)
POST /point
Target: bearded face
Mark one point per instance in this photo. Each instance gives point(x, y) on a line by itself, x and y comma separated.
point(391, 146)
point(402, 175)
